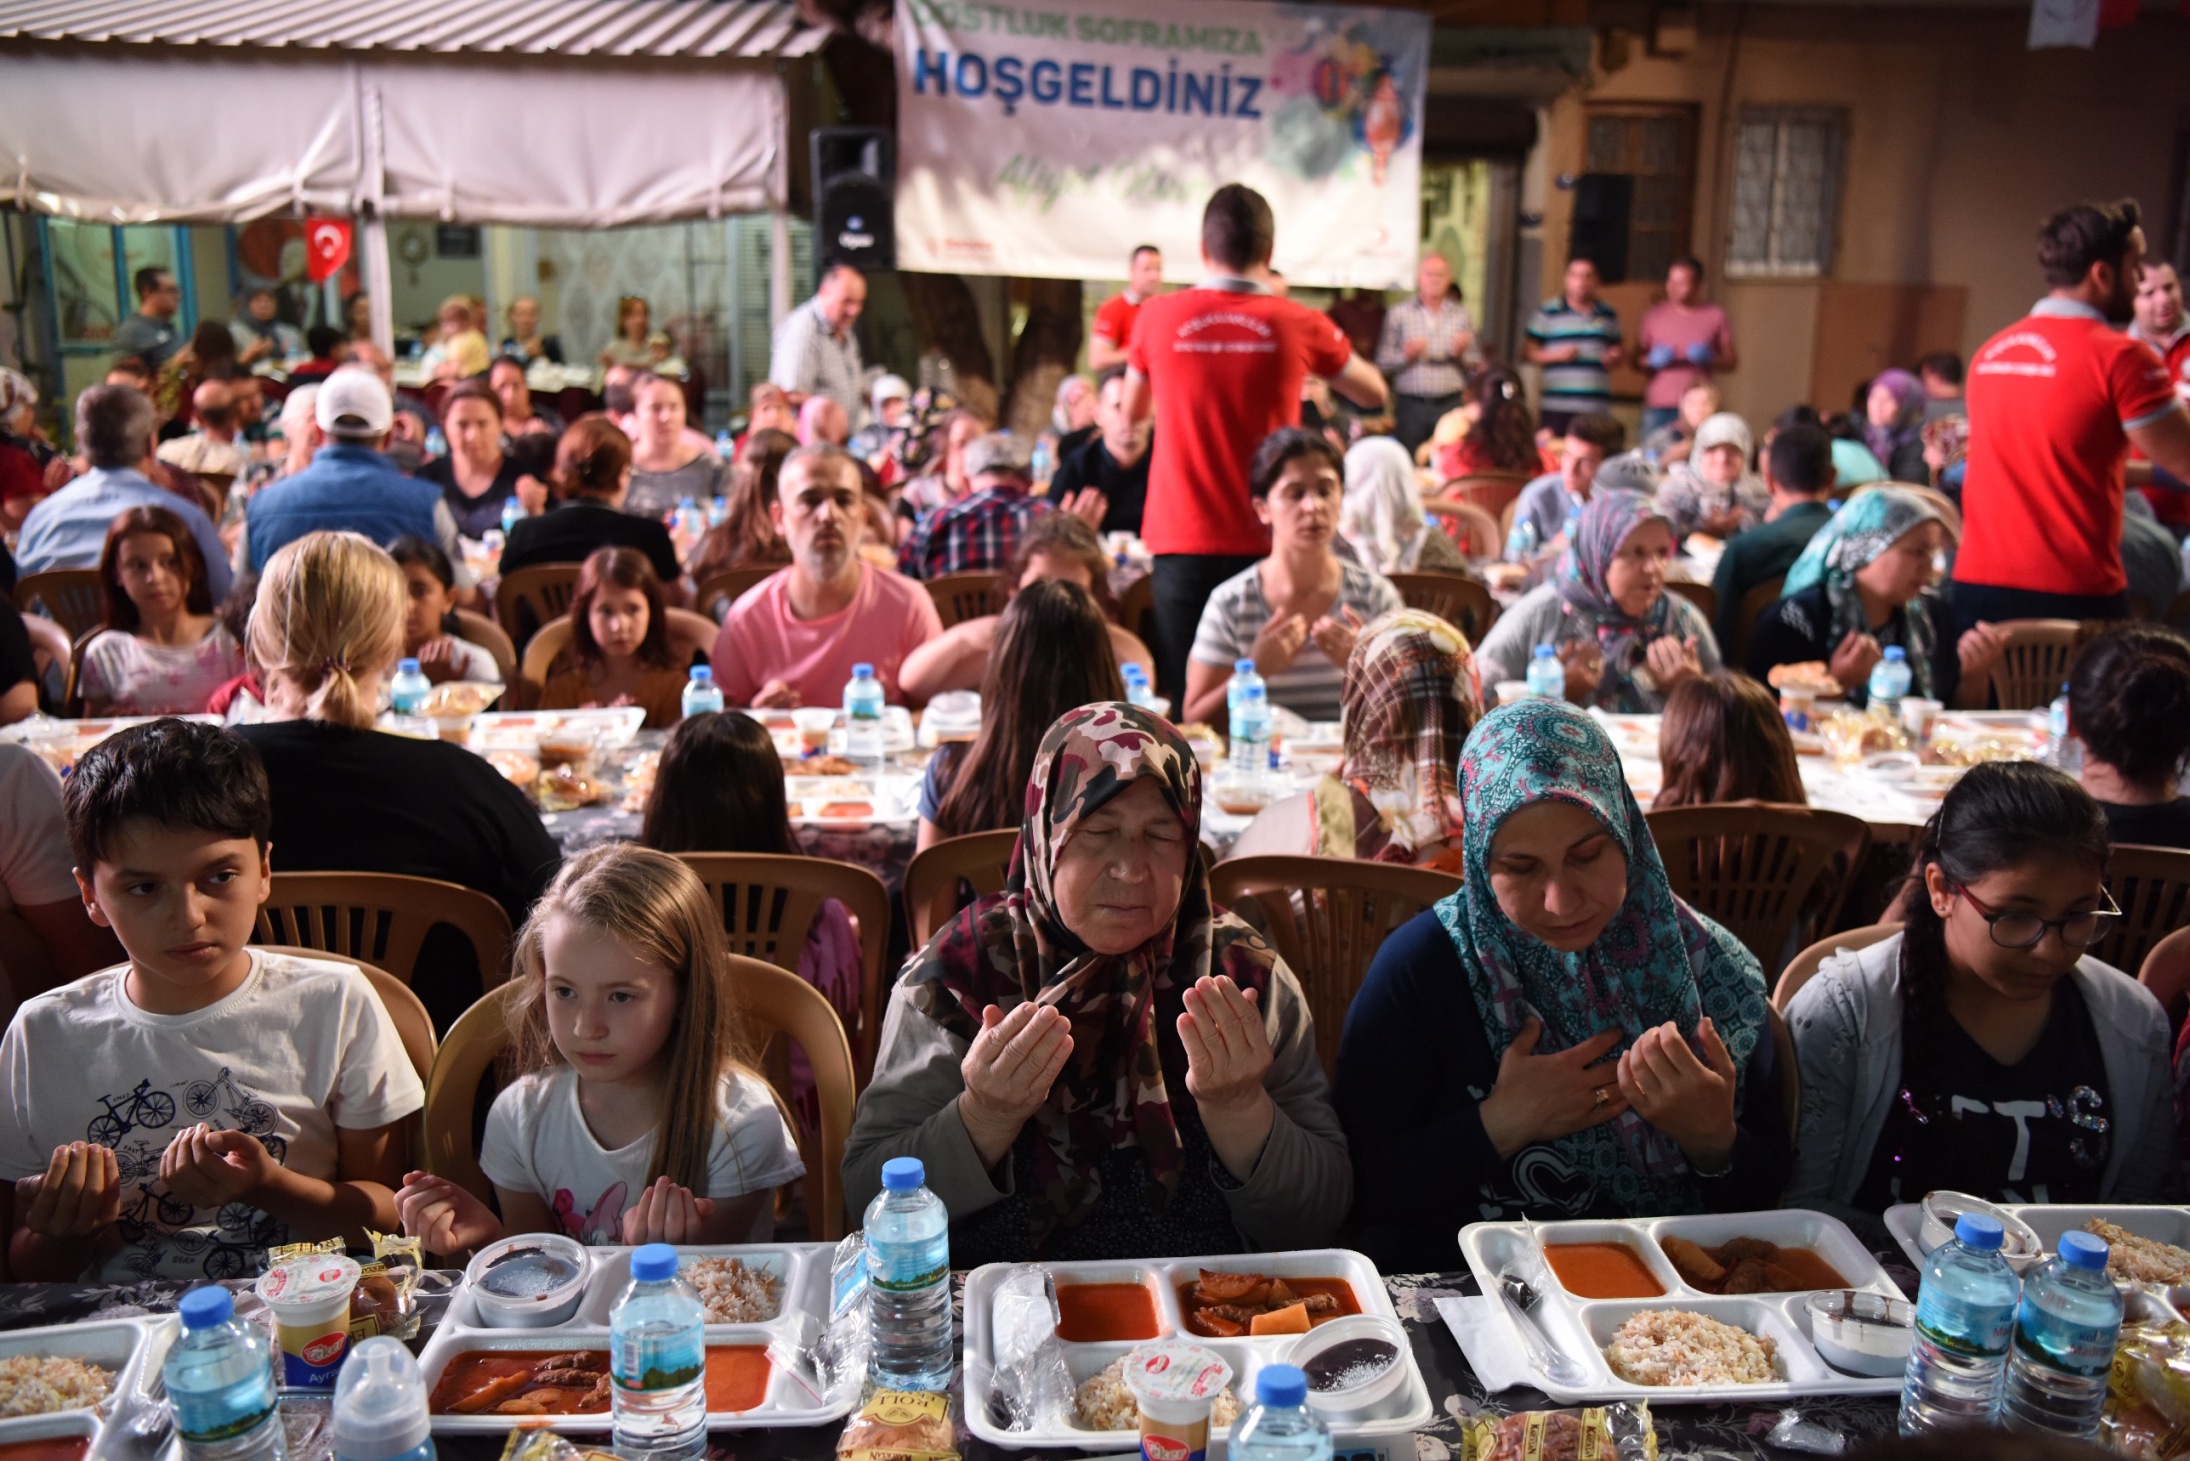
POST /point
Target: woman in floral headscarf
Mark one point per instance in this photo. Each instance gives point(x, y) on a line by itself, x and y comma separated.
point(1624, 640)
point(1096, 1063)
point(1893, 426)
point(1864, 584)
point(1563, 1037)
point(1410, 700)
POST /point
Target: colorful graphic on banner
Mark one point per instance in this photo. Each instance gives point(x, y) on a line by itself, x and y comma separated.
point(1048, 142)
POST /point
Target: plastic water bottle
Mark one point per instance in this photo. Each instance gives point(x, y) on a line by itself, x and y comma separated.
point(1044, 462)
point(908, 1280)
point(1890, 680)
point(437, 445)
point(513, 513)
point(2059, 751)
point(863, 719)
point(726, 446)
point(1137, 689)
point(718, 511)
point(220, 1382)
point(1281, 1427)
point(1965, 1315)
point(1250, 726)
point(408, 690)
point(1546, 675)
point(701, 693)
point(2065, 1330)
point(1522, 542)
point(657, 1360)
point(380, 1405)
point(688, 523)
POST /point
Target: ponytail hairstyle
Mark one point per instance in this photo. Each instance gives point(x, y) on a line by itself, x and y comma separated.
point(1504, 434)
point(658, 908)
point(1722, 739)
point(2001, 814)
point(2129, 702)
point(591, 457)
point(329, 619)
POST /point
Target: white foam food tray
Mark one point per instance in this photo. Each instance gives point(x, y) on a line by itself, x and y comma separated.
point(804, 1268)
point(1405, 1411)
point(1905, 1223)
point(611, 726)
point(1581, 1328)
point(132, 1349)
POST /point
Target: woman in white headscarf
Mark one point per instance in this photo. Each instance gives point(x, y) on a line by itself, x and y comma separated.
point(1715, 491)
point(1381, 517)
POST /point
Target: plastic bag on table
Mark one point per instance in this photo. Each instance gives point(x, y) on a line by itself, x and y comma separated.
point(2148, 1394)
point(901, 1425)
point(1032, 1389)
point(1621, 1432)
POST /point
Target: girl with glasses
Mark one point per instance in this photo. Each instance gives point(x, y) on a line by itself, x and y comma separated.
point(1981, 1049)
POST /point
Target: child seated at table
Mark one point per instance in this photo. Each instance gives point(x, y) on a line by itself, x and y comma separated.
point(619, 638)
point(164, 651)
point(1722, 740)
point(432, 634)
point(175, 1115)
point(634, 1119)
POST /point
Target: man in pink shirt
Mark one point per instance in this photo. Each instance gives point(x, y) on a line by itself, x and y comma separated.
point(1683, 343)
point(793, 638)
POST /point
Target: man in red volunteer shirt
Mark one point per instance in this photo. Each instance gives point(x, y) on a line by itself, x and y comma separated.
point(2055, 402)
point(1222, 365)
point(1113, 330)
point(2162, 324)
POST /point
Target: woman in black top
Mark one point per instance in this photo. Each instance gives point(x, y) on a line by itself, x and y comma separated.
point(2129, 703)
point(325, 635)
point(592, 471)
point(477, 476)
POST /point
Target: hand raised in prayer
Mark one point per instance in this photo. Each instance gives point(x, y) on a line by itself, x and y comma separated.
point(1544, 1097)
point(443, 1216)
point(1279, 641)
point(1853, 662)
point(1335, 634)
point(1090, 505)
point(775, 695)
point(1688, 1098)
point(1584, 670)
point(1008, 1071)
point(1415, 349)
point(1672, 660)
point(1227, 1058)
point(206, 1167)
point(78, 1194)
point(666, 1213)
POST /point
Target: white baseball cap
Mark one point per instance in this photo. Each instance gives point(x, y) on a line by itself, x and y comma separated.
point(353, 402)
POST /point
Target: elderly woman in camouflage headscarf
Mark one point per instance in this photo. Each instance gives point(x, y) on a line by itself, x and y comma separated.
point(1096, 1063)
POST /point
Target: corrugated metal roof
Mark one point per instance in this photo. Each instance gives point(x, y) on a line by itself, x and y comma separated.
point(685, 29)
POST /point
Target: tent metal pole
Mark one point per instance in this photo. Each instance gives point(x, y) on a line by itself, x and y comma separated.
point(379, 282)
point(779, 266)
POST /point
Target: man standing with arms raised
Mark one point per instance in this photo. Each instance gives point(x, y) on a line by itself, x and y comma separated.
point(1221, 365)
point(1113, 330)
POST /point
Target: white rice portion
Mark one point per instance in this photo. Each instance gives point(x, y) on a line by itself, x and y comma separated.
point(1674, 1347)
point(734, 1292)
point(1105, 1404)
point(43, 1384)
point(2140, 1260)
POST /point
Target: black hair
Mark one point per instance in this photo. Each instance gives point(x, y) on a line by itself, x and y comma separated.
point(2129, 701)
point(1801, 458)
point(412, 551)
point(175, 773)
point(323, 341)
point(1799, 414)
point(1106, 375)
point(2001, 814)
point(148, 279)
point(1237, 228)
point(619, 397)
point(1585, 258)
point(533, 454)
point(1689, 262)
point(719, 788)
point(1140, 249)
point(1944, 364)
point(1600, 430)
point(2074, 239)
point(1288, 444)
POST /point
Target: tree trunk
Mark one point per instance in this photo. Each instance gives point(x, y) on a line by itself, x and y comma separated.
point(942, 306)
point(1048, 348)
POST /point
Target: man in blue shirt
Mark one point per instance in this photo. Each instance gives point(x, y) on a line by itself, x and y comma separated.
point(114, 426)
point(350, 485)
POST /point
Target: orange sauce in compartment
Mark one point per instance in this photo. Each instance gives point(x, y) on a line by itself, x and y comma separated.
point(1602, 1271)
point(1341, 1292)
point(737, 1376)
point(484, 1381)
point(1095, 1313)
point(54, 1448)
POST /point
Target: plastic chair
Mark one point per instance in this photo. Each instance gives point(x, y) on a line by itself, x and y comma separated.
point(384, 918)
point(71, 597)
point(780, 1005)
point(1702, 595)
point(962, 596)
point(1472, 530)
point(2036, 662)
point(541, 652)
point(1767, 873)
point(768, 903)
point(714, 597)
point(1789, 1067)
point(1327, 917)
point(413, 1026)
point(469, 1052)
point(526, 599)
point(488, 635)
point(932, 879)
point(2152, 886)
point(1754, 605)
point(1137, 608)
point(1804, 966)
point(1490, 491)
point(1461, 602)
point(72, 698)
point(2166, 972)
point(691, 634)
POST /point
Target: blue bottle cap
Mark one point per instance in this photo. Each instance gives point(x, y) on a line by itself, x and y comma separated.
point(1243, 667)
point(703, 674)
point(903, 1174)
point(204, 1307)
point(1975, 1230)
point(653, 1262)
point(863, 672)
point(1285, 1385)
point(2083, 1250)
point(406, 667)
point(1545, 651)
point(1896, 654)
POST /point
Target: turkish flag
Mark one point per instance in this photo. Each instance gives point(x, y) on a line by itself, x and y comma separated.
point(329, 242)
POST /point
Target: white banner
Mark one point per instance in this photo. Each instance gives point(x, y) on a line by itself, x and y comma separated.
point(1050, 140)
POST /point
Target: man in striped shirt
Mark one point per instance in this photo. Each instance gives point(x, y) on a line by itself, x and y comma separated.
point(1576, 339)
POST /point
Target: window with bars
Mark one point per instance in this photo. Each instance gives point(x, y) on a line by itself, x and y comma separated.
point(1786, 192)
point(1652, 150)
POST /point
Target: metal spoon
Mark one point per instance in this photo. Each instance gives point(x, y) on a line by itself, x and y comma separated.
point(1521, 1300)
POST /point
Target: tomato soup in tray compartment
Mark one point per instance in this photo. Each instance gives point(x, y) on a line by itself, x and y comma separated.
point(1326, 1310)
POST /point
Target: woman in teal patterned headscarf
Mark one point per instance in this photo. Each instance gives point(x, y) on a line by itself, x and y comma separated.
point(1871, 524)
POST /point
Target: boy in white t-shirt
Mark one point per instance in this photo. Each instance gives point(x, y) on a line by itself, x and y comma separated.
point(176, 1115)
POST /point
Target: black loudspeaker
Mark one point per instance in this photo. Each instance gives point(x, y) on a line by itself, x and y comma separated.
point(1602, 201)
point(854, 172)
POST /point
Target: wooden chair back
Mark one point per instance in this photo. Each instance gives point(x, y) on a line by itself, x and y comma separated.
point(979, 859)
point(70, 597)
point(528, 598)
point(1804, 966)
point(714, 597)
point(473, 1046)
point(1768, 874)
point(1461, 602)
point(780, 1007)
point(1702, 595)
point(2035, 663)
point(1137, 608)
point(383, 919)
point(768, 903)
point(691, 635)
point(962, 596)
point(1489, 491)
point(1753, 607)
point(545, 647)
point(1472, 530)
point(2152, 886)
point(489, 636)
point(1327, 917)
point(2166, 972)
point(413, 1026)
point(72, 689)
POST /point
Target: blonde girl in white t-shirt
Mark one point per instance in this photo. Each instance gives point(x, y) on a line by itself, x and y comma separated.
point(634, 1121)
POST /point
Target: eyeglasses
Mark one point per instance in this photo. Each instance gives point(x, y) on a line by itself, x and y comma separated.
point(2014, 930)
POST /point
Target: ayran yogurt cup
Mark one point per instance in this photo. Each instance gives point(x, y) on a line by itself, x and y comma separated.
point(1176, 1384)
point(310, 1298)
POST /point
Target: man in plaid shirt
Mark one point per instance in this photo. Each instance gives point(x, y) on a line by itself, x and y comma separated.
point(980, 531)
point(1426, 346)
